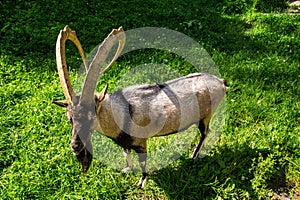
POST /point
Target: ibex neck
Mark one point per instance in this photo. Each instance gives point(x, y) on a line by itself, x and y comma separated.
point(107, 121)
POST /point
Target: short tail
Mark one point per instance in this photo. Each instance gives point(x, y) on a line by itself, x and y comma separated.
point(225, 84)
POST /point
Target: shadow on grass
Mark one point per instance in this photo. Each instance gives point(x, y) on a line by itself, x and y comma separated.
point(226, 175)
point(29, 29)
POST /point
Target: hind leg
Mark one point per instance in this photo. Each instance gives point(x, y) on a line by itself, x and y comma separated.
point(204, 129)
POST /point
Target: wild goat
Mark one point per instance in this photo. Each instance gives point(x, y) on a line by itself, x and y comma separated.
point(132, 115)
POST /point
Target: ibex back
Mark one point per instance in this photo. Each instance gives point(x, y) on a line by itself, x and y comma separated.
point(132, 115)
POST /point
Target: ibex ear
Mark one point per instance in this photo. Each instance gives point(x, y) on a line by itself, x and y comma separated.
point(100, 96)
point(62, 103)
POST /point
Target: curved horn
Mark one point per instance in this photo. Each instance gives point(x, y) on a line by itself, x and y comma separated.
point(87, 96)
point(67, 34)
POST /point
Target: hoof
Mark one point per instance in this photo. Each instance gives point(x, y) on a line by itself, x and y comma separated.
point(141, 183)
point(194, 154)
point(126, 169)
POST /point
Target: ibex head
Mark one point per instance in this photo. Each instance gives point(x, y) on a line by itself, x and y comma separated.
point(81, 109)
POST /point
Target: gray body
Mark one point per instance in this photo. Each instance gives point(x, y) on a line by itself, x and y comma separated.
point(149, 110)
point(132, 115)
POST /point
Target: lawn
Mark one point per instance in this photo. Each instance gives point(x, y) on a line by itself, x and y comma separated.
point(256, 47)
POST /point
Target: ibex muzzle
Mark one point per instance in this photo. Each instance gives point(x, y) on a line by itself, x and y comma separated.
point(132, 115)
point(82, 119)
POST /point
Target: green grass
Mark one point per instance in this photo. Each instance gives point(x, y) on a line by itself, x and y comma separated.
point(258, 152)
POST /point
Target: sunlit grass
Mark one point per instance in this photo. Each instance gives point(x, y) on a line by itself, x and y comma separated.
point(256, 154)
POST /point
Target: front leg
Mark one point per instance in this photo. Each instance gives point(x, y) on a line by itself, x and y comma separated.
point(129, 164)
point(142, 161)
point(141, 150)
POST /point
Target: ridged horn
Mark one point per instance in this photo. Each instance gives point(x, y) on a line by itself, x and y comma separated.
point(64, 35)
point(87, 95)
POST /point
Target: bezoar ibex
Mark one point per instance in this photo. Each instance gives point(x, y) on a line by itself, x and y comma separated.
point(131, 115)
